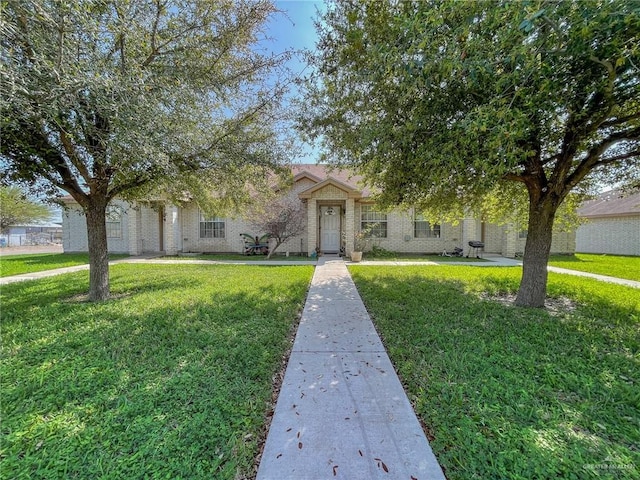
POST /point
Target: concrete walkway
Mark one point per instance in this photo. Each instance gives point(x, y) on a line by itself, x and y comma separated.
point(43, 274)
point(152, 258)
point(497, 261)
point(493, 261)
point(342, 412)
point(59, 271)
point(602, 278)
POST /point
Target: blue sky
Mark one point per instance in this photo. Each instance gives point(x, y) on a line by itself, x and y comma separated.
point(294, 29)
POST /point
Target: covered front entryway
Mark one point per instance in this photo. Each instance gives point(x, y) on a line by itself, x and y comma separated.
point(330, 228)
point(330, 216)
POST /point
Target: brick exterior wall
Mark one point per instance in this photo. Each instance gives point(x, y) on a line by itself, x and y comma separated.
point(135, 231)
point(494, 237)
point(401, 234)
point(233, 242)
point(74, 228)
point(562, 243)
point(610, 235)
point(174, 229)
point(312, 226)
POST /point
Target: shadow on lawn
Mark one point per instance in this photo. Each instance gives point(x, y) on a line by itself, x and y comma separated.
point(172, 380)
point(48, 291)
point(510, 392)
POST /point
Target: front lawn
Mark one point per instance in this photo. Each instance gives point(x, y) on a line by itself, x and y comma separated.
point(172, 378)
point(417, 257)
point(381, 254)
point(612, 265)
point(19, 264)
point(510, 392)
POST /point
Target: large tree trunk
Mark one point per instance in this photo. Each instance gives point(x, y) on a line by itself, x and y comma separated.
point(98, 252)
point(533, 286)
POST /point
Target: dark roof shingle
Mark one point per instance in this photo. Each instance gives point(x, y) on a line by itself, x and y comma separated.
point(610, 204)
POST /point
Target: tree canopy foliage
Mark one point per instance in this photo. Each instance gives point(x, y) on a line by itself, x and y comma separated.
point(440, 103)
point(121, 97)
point(17, 209)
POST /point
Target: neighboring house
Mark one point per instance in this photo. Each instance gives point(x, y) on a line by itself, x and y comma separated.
point(336, 205)
point(612, 224)
point(32, 234)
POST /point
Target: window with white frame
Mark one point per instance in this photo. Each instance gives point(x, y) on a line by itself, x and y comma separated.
point(211, 226)
point(373, 222)
point(114, 221)
point(423, 229)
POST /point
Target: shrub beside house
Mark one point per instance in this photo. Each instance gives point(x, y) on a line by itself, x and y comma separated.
point(612, 224)
point(337, 207)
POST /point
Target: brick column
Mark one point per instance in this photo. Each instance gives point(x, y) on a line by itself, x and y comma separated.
point(312, 225)
point(349, 222)
point(170, 230)
point(470, 231)
point(134, 229)
point(510, 239)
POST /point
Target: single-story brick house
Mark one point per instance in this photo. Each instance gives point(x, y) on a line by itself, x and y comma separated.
point(337, 206)
point(612, 224)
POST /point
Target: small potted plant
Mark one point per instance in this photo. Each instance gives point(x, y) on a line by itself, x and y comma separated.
point(359, 244)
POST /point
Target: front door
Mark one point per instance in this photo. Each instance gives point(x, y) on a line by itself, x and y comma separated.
point(330, 229)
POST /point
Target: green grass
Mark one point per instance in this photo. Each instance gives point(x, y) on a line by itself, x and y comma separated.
point(377, 253)
point(509, 392)
point(19, 264)
point(239, 257)
point(417, 257)
point(172, 378)
point(612, 265)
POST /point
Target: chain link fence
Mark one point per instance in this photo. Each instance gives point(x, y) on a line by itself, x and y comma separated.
point(30, 239)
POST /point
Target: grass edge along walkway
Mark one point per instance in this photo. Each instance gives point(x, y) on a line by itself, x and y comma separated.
point(510, 392)
point(22, 264)
point(172, 377)
point(618, 266)
point(342, 411)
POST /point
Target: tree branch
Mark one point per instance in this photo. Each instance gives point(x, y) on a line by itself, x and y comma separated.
point(513, 177)
point(620, 120)
point(154, 28)
point(120, 41)
point(617, 158)
point(136, 182)
point(232, 128)
point(70, 150)
point(157, 51)
point(48, 161)
point(594, 154)
point(606, 96)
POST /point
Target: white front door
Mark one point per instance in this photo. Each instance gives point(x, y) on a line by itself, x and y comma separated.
point(330, 229)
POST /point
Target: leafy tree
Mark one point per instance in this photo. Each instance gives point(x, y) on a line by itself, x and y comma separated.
point(440, 103)
point(124, 98)
point(281, 219)
point(17, 209)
